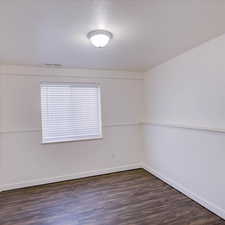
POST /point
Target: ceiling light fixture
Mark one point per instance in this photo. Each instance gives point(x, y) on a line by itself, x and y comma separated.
point(99, 38)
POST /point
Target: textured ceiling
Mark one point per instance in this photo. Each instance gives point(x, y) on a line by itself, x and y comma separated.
point(146, 32)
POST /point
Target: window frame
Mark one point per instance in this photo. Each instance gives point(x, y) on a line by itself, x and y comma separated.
point(73, 138)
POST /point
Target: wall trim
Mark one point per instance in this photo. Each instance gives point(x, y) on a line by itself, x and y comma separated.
point(90, 173)
point(208, 205)
point(183, 126)
point(34, 130)
point(39, 71)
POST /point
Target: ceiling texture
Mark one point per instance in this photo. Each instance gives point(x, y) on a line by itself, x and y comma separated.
point(146, 32)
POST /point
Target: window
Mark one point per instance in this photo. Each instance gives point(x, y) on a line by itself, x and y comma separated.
point(70, 111)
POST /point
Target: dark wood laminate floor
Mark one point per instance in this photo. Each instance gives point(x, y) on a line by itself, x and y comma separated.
point(127, 198)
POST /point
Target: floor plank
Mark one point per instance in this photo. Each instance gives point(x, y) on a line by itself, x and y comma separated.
point(133, 197)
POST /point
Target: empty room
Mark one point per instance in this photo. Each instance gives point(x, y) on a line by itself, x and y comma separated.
point(112, 112)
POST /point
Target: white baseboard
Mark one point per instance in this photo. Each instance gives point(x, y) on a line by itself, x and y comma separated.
point(208, 205)
point(69, 177)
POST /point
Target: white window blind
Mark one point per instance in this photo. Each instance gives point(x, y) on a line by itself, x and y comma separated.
point(70, 111)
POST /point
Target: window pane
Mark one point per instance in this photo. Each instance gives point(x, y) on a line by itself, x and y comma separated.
point(70, 111)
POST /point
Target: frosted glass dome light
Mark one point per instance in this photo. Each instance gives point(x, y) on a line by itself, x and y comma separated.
point(99, 38)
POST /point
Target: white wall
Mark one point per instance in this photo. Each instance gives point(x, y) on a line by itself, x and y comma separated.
point(185, 123)
point(24, 161)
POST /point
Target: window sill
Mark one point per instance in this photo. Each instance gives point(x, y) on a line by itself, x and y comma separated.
point(72, 140)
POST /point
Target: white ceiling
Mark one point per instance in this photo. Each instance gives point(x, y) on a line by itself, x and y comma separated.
point(146, 32)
